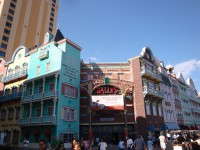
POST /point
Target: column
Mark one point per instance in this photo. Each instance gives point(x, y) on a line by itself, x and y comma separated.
point(30, 114)
point(56, 82)
point(43, 85)
point(125, 112)
point(41, 111)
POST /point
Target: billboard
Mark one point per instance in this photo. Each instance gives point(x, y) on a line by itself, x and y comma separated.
point(107, 102)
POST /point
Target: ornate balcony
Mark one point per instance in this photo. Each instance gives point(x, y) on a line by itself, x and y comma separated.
point(150, 74)
point(39, 96)
point(152, 92)
point(10, 97)
point(15, 76)
point(38, 120)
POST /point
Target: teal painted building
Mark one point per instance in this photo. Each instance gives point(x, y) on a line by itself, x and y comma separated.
point(50, 103)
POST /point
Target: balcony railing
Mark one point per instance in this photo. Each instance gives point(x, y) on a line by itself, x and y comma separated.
point(153, 92)
point(150, 73)
point(38, 120)
point(13, 96)
point(14, 76)
point(39, 96)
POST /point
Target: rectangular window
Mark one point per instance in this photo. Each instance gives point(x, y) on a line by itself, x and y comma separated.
point(154, 110)
point(67, 137)
point(8, 24)
point(50, 29)
point(52, 9)
point(28, 113)
point(10, 114)
point(69, 91)
point(4, 46)
point(3, 114)
point(53, 5)
point(148, 111)
point(52, 14)
point(5, 38)
point(7, 31)
point(48, 66)
point(38, 69)
point(40, 89)
point(51, 86)
point(2, 54)
point(14, 91)
point(30, 91)
point(90, 77)
point(10, 18)
point(38, 112)
point(54, 1)
point(50, 111)
point(120, 76)
point(7, 92)
point(69, 114)
point(11, 11)
point(12, 5)
point(51, 19)
point(17, 113)
point(15, 137)
point(51, 24)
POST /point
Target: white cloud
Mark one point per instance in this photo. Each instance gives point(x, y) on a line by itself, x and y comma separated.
point(92, 59)
point(187, 67)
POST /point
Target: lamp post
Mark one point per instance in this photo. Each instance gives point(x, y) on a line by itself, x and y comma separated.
point(125, 113)
point(90, 134)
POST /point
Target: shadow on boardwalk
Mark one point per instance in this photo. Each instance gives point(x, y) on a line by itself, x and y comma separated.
point(110, 147)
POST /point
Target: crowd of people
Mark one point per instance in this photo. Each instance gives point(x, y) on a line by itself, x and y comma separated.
point(166, 141)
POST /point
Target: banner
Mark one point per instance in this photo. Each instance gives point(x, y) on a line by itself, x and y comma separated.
point(107, 102)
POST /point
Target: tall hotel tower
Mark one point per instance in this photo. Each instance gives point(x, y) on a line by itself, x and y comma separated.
point(25, 22)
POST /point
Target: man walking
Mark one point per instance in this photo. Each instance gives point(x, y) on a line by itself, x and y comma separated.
point(139, 143)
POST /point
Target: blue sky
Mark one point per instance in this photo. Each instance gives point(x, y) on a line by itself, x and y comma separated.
point(116, 30)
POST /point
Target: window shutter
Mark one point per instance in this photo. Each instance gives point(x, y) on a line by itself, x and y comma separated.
point(75, 115)
point(63, 88)
point(76, 94)
point(62, 113)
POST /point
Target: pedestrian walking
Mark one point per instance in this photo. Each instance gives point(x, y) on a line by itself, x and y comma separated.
point(150, 144)
point(103, 145)
point(139, 143)
point(25, 144)
point(121, 144)
point(162, 142)
point(42, 145)
point(129, 143)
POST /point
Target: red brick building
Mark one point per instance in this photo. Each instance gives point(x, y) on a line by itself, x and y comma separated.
point(128, 95)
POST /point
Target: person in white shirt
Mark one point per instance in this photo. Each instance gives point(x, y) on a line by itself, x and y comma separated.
point(121, 144)
point(25, 144)
point(103, 145)
point(162, 142)
point(129, 143)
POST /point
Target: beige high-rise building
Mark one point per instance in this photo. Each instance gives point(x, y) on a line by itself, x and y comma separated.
point(25, 22)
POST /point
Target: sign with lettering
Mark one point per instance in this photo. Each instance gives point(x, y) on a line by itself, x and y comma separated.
point(107, 102)
point(106, 90)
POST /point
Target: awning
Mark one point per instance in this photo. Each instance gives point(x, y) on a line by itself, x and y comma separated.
point(150, 128)
point(170, 126)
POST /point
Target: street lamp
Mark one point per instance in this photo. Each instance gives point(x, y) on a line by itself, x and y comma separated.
point(90, 135)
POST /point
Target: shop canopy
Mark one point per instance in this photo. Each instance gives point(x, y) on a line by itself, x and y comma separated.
point(150, 128)
point(170, 126)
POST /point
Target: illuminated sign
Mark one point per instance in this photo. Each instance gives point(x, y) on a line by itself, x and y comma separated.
point(106, 90)
point(107, 102)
